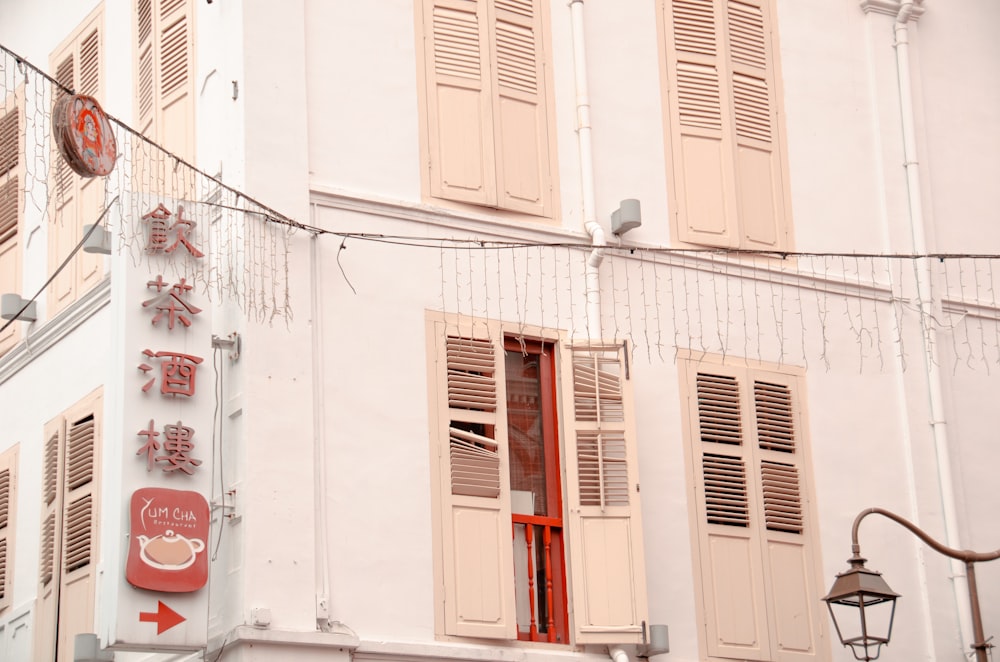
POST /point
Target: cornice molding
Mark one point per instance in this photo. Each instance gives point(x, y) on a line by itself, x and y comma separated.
point(891, 8)
point(55, 330)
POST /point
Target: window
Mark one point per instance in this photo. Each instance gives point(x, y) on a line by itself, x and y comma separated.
point(70, 533)
point(506, 530)
point(756, 552)
point(8, 508)
point(77, 201)
point(164, 83)
point(485, 104)
point(11, 206)
point(726, 154)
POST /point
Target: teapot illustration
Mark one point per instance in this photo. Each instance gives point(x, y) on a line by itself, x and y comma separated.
point(169, 551)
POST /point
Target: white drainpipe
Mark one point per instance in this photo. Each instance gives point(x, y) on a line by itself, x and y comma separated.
point(618, 654)
point(939, 430)
point(594, 229)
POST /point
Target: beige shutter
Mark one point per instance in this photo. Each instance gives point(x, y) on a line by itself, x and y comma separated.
point(89, 266)
point(701, 135)
point(789, 566)
point(50, 558)
point(144, 81)
point(8, 509)
point(11, 204)
point(728, 537)
point(477, 563)
point(80, 524)
point(459, 108)
point(521, 133)
point(727, 171)
point(606, 555)
point(62, 229)
point(176, 77)
point(759, 179)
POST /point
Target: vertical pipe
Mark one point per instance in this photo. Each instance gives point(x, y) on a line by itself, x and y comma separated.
point(923, 276)
point(319, 438)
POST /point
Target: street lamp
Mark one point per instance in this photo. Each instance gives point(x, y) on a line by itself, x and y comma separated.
point(865, 590)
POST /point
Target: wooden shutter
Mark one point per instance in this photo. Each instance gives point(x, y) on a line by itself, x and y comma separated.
point(8, 508)
point(757, 568)
point(726, 165)
point(70, 507)
point(78, 201)
point(176, 77)
point(11, 204)
point(606, 554)
point(50, 558)
point(477, 563)
point(487, 122)
point(520, 130)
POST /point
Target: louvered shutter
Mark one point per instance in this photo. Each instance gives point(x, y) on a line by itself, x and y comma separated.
point(759, 179)
point(62, 229)
point(470, 431)
point(144, 81)
point(459, 108)
point(606, 554)
point(79, 526)
point(50, 558)
point(89, 266)
point(11, 203)
point(8, 492)
point(789, 566)
point(521, 133)
point(728, 536)
point(175, 77)
point(726, 167)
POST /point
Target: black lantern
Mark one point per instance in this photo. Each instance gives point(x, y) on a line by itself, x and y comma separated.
point(865, 590)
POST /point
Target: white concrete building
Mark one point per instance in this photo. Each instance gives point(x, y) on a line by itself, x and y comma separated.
point(503, 330)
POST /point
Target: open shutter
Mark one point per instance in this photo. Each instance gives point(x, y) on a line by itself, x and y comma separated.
point(474, 485)
point(79, 526)
point(459, 107)
point(790, 569)
point(8, 492)
point(521, 128)
point(11, 204)
point(90, 266)
point(759, 179)
point(701, 134)
point(62, 239)
point(728, 538)
point(606, 554)
point(145, 86)
point(176, 77)
point(50, 559)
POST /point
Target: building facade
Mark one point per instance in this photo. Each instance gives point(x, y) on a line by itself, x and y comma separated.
point(494, 329)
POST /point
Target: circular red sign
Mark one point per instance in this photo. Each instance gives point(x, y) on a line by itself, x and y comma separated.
point(84, 136)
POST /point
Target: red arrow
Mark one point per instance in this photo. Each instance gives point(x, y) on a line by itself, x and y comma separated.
point(164, 617)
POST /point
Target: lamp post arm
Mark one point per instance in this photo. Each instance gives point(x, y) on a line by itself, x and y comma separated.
point(966, 556)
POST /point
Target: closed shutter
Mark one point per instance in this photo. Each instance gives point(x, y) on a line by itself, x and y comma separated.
point(758, 572)
point(606, 554)
point(11, 204)
point(487, 123)
point(470, 432)
point(70, 507)
point(8, 508)
point(78, 201)
point(727, 170)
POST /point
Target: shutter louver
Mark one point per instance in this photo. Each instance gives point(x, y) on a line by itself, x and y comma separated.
point(694, 26)
point(9, 135)
point(456, 43)
point(773, 407)
point(174, 58)
point(782, 506)
point(8, 212)
point(719, 409)
point(3, 569)
point(602, 468)
point(725, 490)
point(597, 388)
point(51, 479)
point(475, 464)
point(698, 96)
point(48, 549)
point(80, 455)
point(471, 374)
point(516, 63)
point(89, 65)
point(746, 35)
point(4, 499)
point(77, 533)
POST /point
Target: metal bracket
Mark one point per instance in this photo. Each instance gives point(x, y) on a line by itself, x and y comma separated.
point(232, 341)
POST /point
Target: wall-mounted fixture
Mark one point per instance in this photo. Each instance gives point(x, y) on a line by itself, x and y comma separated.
point(659, 641)
point(626, 217)
point(13, 306)
point(87, 648)
point(97, 240)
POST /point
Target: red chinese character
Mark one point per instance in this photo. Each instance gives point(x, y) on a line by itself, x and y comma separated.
point(177, 446)
point(158, 225)
point(182, 226)
point(151, 446)
point(167, 302)
point(177, 372)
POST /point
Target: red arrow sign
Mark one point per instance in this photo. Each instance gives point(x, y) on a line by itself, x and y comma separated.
point(164, 617)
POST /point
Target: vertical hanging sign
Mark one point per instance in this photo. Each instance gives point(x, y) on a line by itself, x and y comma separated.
point(168, 417)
